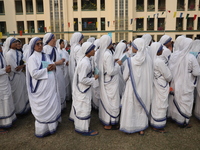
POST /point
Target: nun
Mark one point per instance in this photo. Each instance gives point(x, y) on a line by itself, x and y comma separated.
point(50, 49)
point(41, 85)
point(82, 91)
point(16, 76)
point(7, 108)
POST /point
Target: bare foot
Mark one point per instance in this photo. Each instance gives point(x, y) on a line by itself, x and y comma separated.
point(141, 133)
point(107, 127)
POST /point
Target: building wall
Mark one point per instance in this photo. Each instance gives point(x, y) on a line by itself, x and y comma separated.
point(120, 26)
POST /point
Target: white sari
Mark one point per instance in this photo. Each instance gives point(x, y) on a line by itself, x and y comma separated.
point(44, 99)
point(138, 92)
point(109, 105)
point(7, 108)
point(184, 69)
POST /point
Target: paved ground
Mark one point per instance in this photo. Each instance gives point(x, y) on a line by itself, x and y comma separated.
point(22, 137)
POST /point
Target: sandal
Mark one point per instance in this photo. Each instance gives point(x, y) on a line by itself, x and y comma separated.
point(185, 126)
point(160, 130)
point(90, 133)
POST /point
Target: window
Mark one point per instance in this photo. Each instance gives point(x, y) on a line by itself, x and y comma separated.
point(75, 5)
point(41, 26)
point(191, 4)
point(2, 11)
point(102, 4)
point(161, 23)
point(139, 24)
point(85, 38)
point(31, 27)
point(161, 5)
point(140, 5)
point(158, 37)
point(139, 36)
point(29, 7)
point(190, 24)
point(89, 24)
point(180, 5)
point(150, 5)
point(150, 23)
point(88, 5)
point(179, 24)
point(198, 25)
point(189, 36)
point(102, 23)
point(40, 7)
point(20, 26)
point(18, 6)
point(3, 27)
point(199, 5)
point(75, 24)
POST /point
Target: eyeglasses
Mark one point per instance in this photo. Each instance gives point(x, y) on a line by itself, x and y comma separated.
point(40, 43)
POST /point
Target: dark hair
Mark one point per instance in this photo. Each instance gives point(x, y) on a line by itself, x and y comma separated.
point(18, 41)
point(61, 40)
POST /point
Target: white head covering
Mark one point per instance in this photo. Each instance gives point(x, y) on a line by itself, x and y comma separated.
point(180, 63)
point(65, 42)
point(105, 41)
point(97, 43)
point(25, 47)
point(177, 42)
point(47, 38)
point(155, 48)
point(85, 49)
point(91, 39)
point(8, 43)
point(195, 46)
point(147, 39)
point(140, 56)
point(165, 39)
point(32, 44)
point(75, 39)
point(30, 48)
point(119, 50)
point(58, 44)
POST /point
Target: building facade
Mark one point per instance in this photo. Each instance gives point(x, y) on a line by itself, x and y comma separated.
point(121, 19)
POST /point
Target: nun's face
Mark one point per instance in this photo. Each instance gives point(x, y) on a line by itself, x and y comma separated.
point(38, 46)
point(53, 42)
point(19, 45)
point(134, 50)
point(14, 45)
